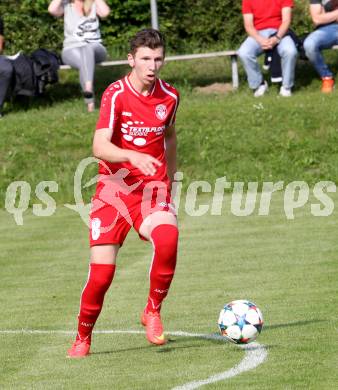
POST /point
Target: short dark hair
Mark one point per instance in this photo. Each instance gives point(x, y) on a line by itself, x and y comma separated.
point(148, 37)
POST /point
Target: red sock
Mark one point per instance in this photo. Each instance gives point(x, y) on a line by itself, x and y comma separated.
point(99, 279)
point(164, 239)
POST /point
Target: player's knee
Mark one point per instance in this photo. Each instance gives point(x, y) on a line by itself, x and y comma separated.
point(165, 240)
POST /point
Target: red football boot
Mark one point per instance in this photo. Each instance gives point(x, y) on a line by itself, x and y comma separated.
point(79, 349)
point(154, 328)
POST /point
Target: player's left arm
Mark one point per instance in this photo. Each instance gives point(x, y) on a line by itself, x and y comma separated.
point(170, 151)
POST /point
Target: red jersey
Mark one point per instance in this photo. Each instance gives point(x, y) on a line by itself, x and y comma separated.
point(138, 123)
point(266, 13)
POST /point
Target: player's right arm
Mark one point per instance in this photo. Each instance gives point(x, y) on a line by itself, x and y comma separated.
point(319, 16)
point(55, 8)
point(104, 149)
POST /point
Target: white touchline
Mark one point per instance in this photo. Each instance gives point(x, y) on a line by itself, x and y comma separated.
point(255, 353)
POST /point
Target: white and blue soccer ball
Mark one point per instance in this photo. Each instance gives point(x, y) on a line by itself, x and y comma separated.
point(240, 321)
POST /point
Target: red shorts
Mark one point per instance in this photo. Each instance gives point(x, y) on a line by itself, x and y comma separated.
point(113, 213)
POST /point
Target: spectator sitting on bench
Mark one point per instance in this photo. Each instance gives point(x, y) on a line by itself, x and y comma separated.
point(82, 45)
point(6, 69)
point(324, 14)
point(266, 23)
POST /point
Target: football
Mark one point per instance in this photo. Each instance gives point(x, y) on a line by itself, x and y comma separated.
point(240, 321)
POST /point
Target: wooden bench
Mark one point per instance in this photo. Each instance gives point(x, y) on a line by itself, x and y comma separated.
point(228, 53)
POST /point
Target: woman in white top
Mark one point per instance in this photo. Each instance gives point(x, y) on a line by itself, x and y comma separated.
point(82, 45)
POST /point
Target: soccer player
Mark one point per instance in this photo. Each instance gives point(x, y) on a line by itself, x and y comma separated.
point(135, 141)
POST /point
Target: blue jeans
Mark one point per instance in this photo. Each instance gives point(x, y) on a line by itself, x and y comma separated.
point(251, 49)
point(323, 37)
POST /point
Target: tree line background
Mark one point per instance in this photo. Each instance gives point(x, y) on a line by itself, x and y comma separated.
point(189, 25)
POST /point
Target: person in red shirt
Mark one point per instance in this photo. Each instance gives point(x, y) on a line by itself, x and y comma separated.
point(266, 23)
point(135, 141)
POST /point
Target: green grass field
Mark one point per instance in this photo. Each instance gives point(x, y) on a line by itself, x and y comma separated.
point(230, 134)
point(288, 267)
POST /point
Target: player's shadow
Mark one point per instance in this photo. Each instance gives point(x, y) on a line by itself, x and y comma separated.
point(120, 350)
point(193, 342)
point(290, 324)
point(202, 341)
point(169, 347)
point(198, 341)
point(174, 343)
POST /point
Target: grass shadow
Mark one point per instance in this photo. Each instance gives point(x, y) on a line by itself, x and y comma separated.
point(290, 324)
point(173, 344)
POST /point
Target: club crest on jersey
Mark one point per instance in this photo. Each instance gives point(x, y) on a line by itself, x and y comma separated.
point(161, 111)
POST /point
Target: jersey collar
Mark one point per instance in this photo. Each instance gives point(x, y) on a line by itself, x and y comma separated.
point(133, 90)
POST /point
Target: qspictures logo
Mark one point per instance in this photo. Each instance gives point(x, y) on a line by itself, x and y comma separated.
point(240, 198)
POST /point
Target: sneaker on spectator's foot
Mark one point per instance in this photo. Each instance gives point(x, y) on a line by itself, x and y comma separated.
point(154, 328)
point(260, 91)
point(285, 92)
point(79, 349)
point(327, 84)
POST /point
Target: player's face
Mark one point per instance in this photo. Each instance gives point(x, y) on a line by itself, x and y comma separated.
point(146, 64)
